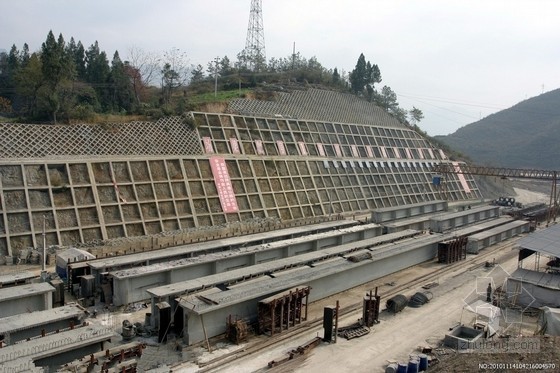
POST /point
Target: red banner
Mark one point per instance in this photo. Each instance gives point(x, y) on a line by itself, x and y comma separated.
point(431, 153)
point(461, 177)
point(259, 145)
point(208, 149)
point(383, 152)
point(281, 147)
point(337, 150)
point(234, 145)
point(302, 148)
point(223, 185)
point(320, 149)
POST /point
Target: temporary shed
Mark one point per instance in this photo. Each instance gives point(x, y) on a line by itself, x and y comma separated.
point(486, 316)
point(549, 321)
point(69, 256)
point(544, 242)
point(528, 288)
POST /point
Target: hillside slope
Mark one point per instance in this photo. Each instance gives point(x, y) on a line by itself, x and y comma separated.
point(524, 136)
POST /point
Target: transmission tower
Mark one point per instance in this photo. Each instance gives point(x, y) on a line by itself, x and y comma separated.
point(254, 46)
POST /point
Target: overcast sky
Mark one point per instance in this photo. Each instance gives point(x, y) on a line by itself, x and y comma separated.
point(457, 61)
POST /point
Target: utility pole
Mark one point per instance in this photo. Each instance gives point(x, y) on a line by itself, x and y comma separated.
point(44, 258)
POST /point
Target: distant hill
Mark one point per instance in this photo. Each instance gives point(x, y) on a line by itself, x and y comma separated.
point(526, 135)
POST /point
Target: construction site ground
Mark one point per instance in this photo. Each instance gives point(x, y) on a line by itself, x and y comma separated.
point(394, 339)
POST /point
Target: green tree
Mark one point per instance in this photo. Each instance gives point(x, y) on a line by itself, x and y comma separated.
point(400, 114)
point(9, 65)
point(416, 115)
point(57, 70)
point(359, 76)
point(97, 74)
point(335, 77)
point(14, 58)
point(364, 77)
point(122, 95)
point(197, 74)
point(373, 74)
point(174, 72)
point(387, 99)
point(24, 55)
point(29, 80)
point(169, 81)
point(76, 54)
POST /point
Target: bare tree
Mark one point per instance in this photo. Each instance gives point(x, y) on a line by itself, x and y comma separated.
point(174, 71)
point(143, 68)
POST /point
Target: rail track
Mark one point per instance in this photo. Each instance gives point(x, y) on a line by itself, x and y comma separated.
point(261, 344)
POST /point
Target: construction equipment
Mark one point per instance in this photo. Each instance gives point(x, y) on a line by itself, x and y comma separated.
point(464, 169)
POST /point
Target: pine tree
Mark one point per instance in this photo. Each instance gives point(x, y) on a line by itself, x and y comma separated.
point(57, 71)
point(122, 94)
point(97, 74)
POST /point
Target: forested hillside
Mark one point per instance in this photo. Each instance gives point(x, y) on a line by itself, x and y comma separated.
point(524, 136)
point(66, 82)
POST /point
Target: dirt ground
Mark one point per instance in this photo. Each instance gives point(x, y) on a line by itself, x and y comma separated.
point(547, 360)
point(399, 336)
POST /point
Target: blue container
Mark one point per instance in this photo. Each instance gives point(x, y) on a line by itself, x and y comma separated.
point(423, 362)
point(413, 365)
point(402, 368)
point(392, 368)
